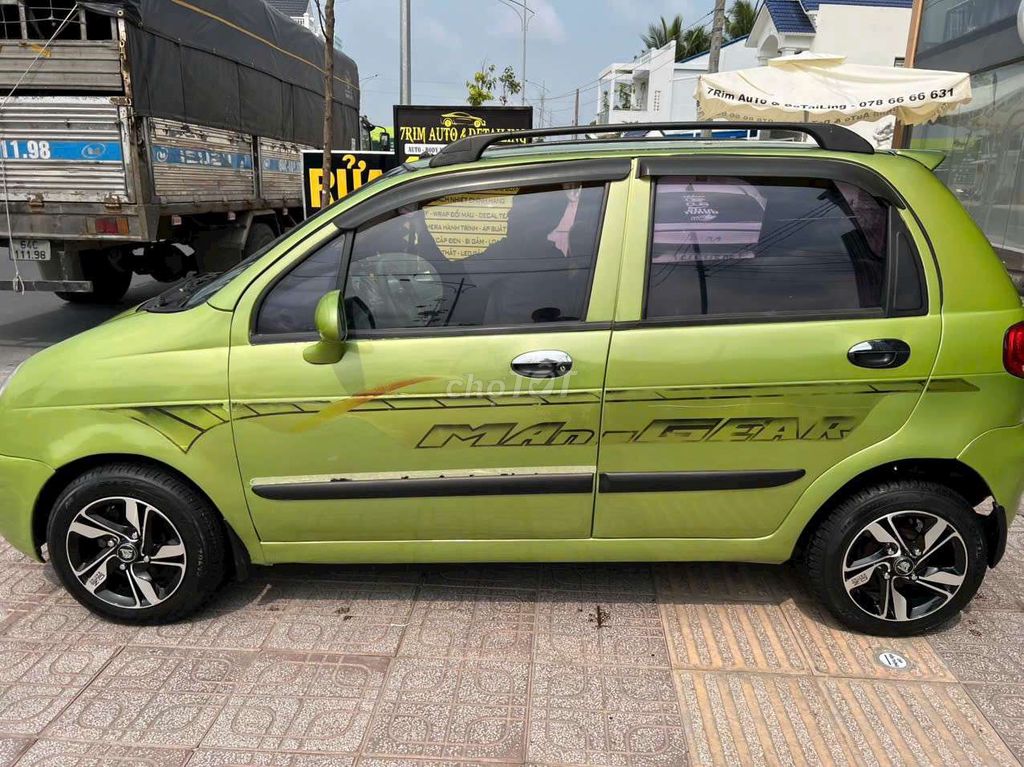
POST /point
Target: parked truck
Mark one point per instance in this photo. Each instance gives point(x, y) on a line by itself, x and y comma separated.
point(154, 137)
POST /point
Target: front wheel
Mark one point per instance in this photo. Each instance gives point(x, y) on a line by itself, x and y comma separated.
point(897, 559)
point(135, 544)
point(109, 275)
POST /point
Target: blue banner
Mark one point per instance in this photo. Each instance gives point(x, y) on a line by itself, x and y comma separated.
point(59, 149)
point(172, 155)
point(278, 165)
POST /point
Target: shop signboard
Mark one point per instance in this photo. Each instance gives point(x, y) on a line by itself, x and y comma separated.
point(349, 171)
point(421, 131)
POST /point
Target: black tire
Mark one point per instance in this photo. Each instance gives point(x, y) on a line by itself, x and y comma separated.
point(197, 528)
point(109, 280)
point(260, 235)
point(839, 542)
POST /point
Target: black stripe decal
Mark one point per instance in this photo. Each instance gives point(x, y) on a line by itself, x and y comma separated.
point(348, 489)
point(669, 481)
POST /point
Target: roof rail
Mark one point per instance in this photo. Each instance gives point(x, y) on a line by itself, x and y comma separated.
point(831, 137)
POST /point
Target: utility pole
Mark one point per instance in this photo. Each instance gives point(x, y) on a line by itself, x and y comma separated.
point(405, 97)
point(526, 21)
point(715, 52)
point(576, 109)
point(327, 27)
point(543, 96)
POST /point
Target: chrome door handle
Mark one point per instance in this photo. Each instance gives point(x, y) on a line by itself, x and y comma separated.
point(878, 354)
point(544, 363)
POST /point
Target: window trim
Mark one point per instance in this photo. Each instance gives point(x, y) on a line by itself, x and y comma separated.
point(776, 168)
point(601, 172)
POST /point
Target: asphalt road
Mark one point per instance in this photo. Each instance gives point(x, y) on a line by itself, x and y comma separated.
point(33, 321)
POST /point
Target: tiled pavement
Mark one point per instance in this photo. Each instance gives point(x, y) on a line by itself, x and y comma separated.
point(451, 666)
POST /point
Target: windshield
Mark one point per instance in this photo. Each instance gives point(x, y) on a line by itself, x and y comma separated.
point(199, 288)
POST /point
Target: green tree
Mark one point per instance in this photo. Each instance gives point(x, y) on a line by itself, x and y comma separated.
point(696, 40)
point(662, 33)
point(510, 86)
point(740, 19)
point(481, 87)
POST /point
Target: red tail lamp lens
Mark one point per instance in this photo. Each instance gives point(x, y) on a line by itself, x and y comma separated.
point(1013, 350)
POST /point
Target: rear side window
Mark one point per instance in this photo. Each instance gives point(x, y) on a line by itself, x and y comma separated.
point(724, 246)
point(497, 258)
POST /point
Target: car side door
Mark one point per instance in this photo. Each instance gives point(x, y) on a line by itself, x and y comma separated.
point(775, 317)
point(466, 405)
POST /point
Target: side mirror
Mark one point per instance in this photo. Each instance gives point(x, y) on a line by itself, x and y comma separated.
point(333, 330)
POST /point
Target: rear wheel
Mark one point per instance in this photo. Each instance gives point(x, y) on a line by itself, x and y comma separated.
point(898, 559)
point(135, 544)
point(110, 279)
point(260, 235)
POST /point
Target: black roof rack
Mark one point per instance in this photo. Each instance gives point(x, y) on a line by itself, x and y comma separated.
point(831, 137)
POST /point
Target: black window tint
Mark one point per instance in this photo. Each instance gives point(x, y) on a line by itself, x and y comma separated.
point(494, 258)
point(290, 305)
point(726, 246)
point(909, 292)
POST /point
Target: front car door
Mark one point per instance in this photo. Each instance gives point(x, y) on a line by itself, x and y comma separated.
point(774, 318)
point(466, 405)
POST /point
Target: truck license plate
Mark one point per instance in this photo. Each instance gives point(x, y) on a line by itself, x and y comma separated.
point(30, 250)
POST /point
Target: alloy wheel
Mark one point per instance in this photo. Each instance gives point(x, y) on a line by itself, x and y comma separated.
point(905, 565)
point(126, 552)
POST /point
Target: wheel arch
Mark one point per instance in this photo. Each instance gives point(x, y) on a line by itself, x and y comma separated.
point(947, 472)
point(241, 560)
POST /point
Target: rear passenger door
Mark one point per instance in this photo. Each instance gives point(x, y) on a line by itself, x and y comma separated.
point(774, 317)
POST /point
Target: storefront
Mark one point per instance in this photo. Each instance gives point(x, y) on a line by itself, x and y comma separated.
point(984, 140)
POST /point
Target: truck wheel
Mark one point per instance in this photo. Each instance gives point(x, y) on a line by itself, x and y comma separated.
point(260, 235)
point(136, 544)
point(897, 559)
point(109, 281)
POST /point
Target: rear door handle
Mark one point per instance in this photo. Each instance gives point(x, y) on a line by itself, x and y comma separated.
point(879, 353)
point(543, 363)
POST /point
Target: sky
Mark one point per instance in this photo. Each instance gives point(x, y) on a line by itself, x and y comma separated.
point(569, 42)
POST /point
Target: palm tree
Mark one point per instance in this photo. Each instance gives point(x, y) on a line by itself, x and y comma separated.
point(696, 40)
point(662, 33)
point(741, 19)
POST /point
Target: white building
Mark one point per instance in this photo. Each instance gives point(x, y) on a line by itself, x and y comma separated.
point(299, 11)
point(655, 88)
point(865, 31)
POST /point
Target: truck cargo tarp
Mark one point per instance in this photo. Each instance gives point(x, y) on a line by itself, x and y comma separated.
point(234, 65)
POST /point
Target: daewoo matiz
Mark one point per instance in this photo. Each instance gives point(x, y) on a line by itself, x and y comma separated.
point(589, 350)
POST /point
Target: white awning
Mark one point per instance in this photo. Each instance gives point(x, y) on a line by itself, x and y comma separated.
point(815, 87)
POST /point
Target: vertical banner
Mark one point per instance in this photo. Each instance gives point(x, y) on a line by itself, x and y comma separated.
point(421, 131)
point(349, 171)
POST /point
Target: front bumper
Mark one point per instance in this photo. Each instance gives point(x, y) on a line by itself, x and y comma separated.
point(21, 481)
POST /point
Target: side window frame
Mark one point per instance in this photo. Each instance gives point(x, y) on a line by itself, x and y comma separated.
point(897, 233)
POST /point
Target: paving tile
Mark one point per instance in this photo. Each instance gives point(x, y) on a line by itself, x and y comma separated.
point(706, 581)
point(10, 555)
point(613, 578)
point(216, 758)
point(153, 697)
point(38, 680)
point(374, 761)
point(740, 718)
point(471, 623)
point(1003, 707)
point(407, 574)
point(599, 628)
point(983, 646)
point(835, 651)
point(499, 576)
point(63, 620)
point(22, 587)
point(913, 723)
point(295, 701)
point(592, 715)
point(443, 708)
point(1000, 591)
point(54, 753)
point(721, 636)
point(11, 749)
point(358, 619)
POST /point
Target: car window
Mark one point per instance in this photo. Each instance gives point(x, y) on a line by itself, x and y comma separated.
point(739, 246)
point(503, 257)
point(290, 306)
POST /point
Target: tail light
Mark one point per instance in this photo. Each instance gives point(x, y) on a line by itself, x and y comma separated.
point(1013, 350)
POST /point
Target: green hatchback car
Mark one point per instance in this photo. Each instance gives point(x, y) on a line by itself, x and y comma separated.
point(590, 350)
